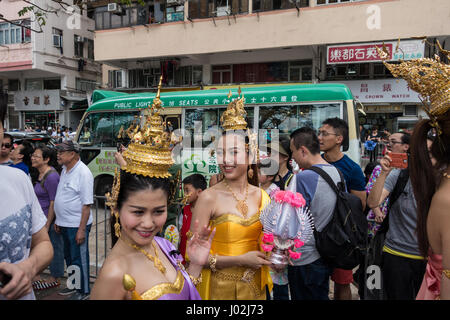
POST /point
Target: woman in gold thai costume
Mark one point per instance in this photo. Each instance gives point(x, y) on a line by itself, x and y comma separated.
point(237, 268)
point(141, 265)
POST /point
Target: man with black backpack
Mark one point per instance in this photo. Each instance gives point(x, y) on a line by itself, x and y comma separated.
point(333, 137)
point(402, 266)
point(309, 276)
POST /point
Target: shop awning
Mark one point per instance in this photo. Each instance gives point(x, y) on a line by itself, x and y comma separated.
point(71, 98)
point(80, 105)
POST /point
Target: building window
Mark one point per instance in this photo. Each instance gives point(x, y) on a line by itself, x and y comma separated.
point(353, 71)
point(134, 14)
point(300, 70)
point(52, 84)
point(57, 38)
point(115, 79)
point(13, 85)
point(11, 33)
point(33, 84)
point(78, 46)
point(90, 45)
point(199, 9)
point(269, 5)
point(325, 2)
point(221, 74)
point(85, 85)
point(410, 111)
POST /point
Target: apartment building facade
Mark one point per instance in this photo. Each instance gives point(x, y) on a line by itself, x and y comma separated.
point(48, 72)
point(211, 43)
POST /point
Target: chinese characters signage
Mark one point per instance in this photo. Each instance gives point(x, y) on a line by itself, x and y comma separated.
point(383, 90)
point(37, 100)
point(366, 52)
point(201, 161)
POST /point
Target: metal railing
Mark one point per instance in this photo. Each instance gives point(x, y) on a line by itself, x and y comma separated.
point(100, 235)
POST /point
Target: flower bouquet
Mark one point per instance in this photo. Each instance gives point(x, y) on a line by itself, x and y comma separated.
point(287, 225)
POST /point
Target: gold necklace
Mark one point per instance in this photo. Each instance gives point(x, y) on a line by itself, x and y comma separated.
point(241, 204)
point(155, 259)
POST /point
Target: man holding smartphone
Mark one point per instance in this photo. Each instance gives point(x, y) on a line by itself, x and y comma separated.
point(402, 265)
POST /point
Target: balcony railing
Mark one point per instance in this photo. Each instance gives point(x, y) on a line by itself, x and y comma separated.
point(158, 12)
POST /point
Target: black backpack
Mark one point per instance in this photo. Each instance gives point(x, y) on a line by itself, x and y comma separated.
point(342, 241)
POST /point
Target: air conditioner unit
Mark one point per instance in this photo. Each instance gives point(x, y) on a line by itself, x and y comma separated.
point(78, 39)
point(114, 7)
point(172, 2)
point(57, 41)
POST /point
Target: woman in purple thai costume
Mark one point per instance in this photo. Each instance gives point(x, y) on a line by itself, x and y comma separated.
point(141, 265)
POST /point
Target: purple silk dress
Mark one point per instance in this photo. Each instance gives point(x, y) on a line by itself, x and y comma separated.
point(189, 291)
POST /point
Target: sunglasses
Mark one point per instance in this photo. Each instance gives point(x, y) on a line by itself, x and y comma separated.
point(6, 145)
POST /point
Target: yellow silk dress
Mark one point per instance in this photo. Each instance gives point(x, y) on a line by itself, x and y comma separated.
point(236, 236)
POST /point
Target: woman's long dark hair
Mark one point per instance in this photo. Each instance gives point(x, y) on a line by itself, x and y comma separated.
point(423, 175)
point(131, 183)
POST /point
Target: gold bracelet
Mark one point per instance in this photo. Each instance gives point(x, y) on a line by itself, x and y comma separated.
point(212, 262)
point(446, 272)
point(196, 281)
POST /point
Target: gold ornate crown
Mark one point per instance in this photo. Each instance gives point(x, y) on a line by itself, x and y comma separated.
point(429, 77)
point(234, 117)
point(150, 150)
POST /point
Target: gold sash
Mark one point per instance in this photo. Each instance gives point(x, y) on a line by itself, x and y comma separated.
point(236, 236)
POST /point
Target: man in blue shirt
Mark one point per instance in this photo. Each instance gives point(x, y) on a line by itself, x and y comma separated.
point(332, 135)
point(21, 156)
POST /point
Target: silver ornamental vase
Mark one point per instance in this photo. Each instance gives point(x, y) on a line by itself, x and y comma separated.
point(287, 223)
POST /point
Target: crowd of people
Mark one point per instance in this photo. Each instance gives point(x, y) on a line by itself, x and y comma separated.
point(52, 194)
point(404, 199)
point(59, 132)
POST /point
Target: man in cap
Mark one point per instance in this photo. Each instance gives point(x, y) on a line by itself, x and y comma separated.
point(73, 201)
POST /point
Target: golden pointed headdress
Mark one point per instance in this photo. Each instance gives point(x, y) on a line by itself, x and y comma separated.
point(234, 117)
point(150, 150)
point(429, 77)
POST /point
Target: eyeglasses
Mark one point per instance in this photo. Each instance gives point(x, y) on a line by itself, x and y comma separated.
point(35, 156)
point(6, 145)
point(326, 133)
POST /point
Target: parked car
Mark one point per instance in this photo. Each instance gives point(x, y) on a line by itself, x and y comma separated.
point(33, 137)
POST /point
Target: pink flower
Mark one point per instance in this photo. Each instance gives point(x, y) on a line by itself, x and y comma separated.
point(279, 196)
point(267, 247)
point(302, 200)
point(267, 238)
point(296, 202)
point(294, 255)
point(288, 196)
point(298, 243)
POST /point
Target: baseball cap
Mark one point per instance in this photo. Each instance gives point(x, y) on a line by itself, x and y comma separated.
point(68, 146)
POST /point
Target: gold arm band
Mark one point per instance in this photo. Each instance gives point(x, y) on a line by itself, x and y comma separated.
point(446, 272)
point(212, 262)
point(196, 281)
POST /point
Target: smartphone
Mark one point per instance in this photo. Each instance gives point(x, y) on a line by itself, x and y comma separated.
point(119, 147)
point(4, 279)
point(399, 160)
